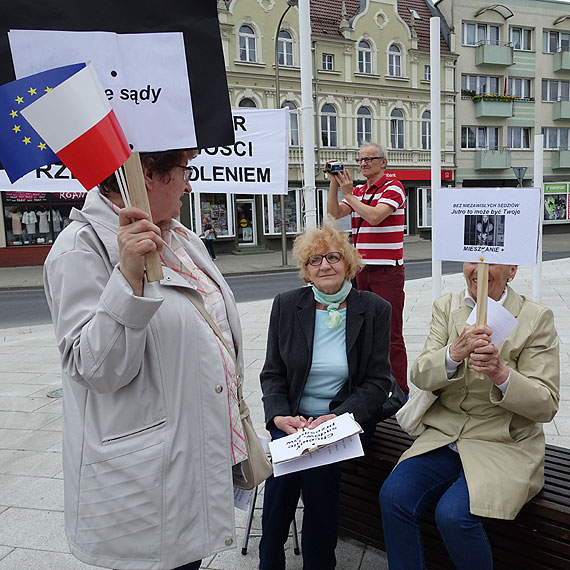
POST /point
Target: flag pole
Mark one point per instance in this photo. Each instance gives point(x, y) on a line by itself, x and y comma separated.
point(139, 199)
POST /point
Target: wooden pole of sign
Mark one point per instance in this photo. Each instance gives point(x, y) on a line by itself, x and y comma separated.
point(482, 292)
point(139, 199)
point(482, 296)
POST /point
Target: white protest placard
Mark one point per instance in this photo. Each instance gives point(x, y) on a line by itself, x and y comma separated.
point(50, 178)
point(488, 225)
point(258, 162)
point(144, 76)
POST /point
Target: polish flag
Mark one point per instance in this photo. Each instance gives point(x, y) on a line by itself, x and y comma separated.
point(77, 122)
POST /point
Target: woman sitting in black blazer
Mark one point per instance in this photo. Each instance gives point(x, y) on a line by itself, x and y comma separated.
point(327, 353)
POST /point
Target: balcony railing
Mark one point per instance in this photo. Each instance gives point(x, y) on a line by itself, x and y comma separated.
point(491, 52)
point(561, 60)
point(561, 159)
point(561, 110)
point(492, 159)
point(396, 158)
point(499, 106)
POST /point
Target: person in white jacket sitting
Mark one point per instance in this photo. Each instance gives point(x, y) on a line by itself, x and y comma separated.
point(151, 427)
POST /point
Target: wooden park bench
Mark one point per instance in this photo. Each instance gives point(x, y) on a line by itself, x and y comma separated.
point(538, 539)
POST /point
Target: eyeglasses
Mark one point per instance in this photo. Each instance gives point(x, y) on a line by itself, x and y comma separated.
point(332, 257)
point(368, 159)
point(187, 172)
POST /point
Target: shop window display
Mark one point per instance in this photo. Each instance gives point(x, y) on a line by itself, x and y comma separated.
point(272, 220)
point(34, 218)
point(214, 208)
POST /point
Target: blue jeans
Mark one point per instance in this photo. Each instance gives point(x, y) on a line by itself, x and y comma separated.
point(320, 489)
point(434, 478)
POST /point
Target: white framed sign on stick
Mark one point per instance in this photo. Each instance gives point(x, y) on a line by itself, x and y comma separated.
point(488, 225)
point(258, 161)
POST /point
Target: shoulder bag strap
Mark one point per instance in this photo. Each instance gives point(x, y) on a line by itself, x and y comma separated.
point(218, 333)
point(355, 237)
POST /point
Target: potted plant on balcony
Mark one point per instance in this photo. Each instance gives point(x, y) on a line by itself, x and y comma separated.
point(490, 97)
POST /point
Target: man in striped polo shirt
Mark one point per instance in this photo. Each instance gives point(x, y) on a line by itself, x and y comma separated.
point(377, 209)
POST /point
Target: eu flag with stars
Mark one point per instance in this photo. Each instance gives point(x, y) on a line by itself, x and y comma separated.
point(21, 148)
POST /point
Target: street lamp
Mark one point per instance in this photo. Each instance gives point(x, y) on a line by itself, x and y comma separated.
point(290, 4)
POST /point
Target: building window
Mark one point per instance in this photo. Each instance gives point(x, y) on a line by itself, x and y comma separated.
point(477, 34)
point(480, 84)
point(518, 137)
point(553, 42)
point(394, 61)
point(328, 125)
point(480, 138)
point(427, 73)
point(364, 57)
point(521, 38)
point(247, 44)
point(285, 48)
point(363, 125)
point(328, 61)
point(519, 87)
point(426, 130)
point(555, 139)
point(293, 123)
point(555, 90)
point(248, 103)
point(397, 129)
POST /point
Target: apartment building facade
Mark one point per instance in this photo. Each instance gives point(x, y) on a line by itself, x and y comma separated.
point(513, 80)
point(371, 82)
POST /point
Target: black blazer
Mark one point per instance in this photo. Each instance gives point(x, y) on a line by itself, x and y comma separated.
point(290, 352)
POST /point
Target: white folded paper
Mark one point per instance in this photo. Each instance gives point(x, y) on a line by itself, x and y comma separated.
point(499, 320)
point(332, 441)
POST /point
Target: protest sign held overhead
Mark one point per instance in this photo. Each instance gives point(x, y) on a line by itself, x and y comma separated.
point(144, 62)
point(257, 163)
point(484, 225)
point(146, 93)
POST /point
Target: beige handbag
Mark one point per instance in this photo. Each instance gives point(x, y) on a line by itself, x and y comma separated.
point(256, 468)
point(410, 415)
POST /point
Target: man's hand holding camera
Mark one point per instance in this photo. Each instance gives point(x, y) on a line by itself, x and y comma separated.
point(339, 177)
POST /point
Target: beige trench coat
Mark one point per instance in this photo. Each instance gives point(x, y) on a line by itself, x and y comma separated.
point(146, 429)
point(500, 438)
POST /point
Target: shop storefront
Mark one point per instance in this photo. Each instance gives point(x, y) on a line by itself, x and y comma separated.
point(245, 222)
point(31, 222)
point(556, 203)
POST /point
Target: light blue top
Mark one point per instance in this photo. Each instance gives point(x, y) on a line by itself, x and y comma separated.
point(329, 369)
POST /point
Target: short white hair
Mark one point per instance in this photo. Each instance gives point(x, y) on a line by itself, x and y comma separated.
point(380, 150)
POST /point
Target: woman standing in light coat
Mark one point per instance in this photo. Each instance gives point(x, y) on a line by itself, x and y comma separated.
point(149, 410)
point(482, 454)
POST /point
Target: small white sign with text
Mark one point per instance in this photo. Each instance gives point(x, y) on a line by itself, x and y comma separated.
point(487, 225)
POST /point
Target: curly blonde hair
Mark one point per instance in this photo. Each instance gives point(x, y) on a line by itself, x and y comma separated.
point(327, 238)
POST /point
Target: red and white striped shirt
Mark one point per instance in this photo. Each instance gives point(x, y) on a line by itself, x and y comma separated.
point(382, 244)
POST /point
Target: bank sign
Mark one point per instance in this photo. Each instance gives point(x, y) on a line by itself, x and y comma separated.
point(257, 163)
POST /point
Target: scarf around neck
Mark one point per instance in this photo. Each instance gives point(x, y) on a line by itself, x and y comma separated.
point(332, 303)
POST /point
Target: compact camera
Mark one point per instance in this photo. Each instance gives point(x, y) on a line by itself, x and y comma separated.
point(333, 166)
